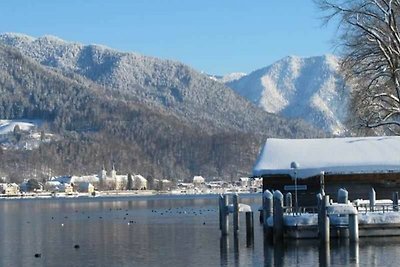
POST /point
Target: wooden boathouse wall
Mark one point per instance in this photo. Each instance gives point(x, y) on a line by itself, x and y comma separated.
point(358, 185)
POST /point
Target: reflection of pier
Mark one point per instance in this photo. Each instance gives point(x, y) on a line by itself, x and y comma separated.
point(292, 253)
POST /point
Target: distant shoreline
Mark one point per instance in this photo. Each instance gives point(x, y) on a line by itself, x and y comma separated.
point(113, 195)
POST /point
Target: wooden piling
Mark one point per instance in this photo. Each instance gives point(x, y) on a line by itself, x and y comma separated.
point(224, 216)
point(353, 227)
point(235, 200)
point(221, 208)
point(249, 228)
point(395, 201)
point(278, 227)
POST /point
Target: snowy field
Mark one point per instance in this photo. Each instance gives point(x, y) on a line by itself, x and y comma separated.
point(7, 126)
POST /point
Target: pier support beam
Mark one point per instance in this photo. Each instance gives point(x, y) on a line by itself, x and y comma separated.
point(353, 227)
point(278, 217)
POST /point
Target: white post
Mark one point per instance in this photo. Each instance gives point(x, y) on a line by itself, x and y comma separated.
point(372, 199)
point(294, 165)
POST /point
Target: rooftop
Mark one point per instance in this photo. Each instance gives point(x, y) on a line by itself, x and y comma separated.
point(331, 155)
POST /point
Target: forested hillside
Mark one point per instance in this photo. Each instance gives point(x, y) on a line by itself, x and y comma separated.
point(97, 126)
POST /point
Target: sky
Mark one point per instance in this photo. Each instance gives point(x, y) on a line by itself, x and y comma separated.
point(213, 36)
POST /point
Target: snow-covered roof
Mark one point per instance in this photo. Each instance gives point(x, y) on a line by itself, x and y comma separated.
point(139, 177)
point(331, 155)
point(198, 179)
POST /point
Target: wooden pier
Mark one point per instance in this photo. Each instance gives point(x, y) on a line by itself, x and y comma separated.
point(329, 220)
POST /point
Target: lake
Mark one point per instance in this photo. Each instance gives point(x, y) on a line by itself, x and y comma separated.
point(159, 231)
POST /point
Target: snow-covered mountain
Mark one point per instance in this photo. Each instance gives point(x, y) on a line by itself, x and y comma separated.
point(163, 84)
point(228, 77)
point(294, 87)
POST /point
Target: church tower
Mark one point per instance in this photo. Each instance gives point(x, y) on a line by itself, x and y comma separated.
point(103, 174)
point(113, 173)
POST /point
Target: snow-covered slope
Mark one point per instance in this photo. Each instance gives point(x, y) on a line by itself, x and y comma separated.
point(228, 77)
point(160, 84)
point(7, 126)
point(307, 88)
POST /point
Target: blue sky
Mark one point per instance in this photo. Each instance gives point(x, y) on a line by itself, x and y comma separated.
point(214, 36)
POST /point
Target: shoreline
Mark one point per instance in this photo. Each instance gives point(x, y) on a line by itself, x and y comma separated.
point(116, 194)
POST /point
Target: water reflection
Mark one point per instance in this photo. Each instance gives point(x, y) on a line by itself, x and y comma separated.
point(224, 250)
point(187, 234)
point(303, 252)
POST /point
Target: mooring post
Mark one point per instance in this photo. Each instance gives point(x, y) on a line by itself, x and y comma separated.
point(221, 209)
point(324, 221)
point(224, 216)
point(343, 196)
point(278, 217)
point(319, 212)
point(235, 200)
point(396, 201)
point(372, 199)
point(288, 202)
point(353, 227)
point(249, 228)
point(267, 207)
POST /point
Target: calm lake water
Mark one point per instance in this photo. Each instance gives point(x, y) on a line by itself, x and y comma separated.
point(159, 231)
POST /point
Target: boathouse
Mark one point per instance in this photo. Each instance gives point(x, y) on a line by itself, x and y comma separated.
point(353, 163)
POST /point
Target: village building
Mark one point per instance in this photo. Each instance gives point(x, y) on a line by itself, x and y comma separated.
point(139, 182)
point(354, 163)
point(244, 181)
point(113, 181)
point(86, 187)
point(60, 184)
point(198, 180)
point(9, 189)
point(163, 184)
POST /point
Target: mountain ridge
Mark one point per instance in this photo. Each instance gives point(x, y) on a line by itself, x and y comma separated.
point(294, 87)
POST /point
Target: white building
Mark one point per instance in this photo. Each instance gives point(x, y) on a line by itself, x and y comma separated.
point(244, 181)
point(139, 182)
point(10, 189)
point(198, 180)
point(86, 188)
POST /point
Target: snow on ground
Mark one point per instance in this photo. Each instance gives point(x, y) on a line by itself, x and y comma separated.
point(7, 126)
point(379, 218)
